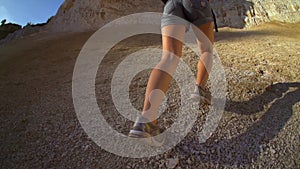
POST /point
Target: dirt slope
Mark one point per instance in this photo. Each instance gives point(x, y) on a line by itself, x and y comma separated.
point(259, 128)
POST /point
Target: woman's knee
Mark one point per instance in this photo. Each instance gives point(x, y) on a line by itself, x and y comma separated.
point(168, 62)
point(206, 49)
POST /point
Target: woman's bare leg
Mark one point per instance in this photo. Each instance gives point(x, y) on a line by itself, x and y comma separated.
point(206, 49)
point(160, 76)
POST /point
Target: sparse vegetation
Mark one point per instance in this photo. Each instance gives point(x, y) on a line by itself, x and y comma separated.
point(30, 24)
point(3, 22)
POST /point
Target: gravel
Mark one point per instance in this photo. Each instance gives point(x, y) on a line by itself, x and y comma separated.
point(259, 127)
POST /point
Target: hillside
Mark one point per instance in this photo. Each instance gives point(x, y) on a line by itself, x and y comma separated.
point(7, 29)
point(259, 128)
point(76, 15)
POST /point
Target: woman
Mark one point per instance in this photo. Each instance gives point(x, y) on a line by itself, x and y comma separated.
point(178, 14)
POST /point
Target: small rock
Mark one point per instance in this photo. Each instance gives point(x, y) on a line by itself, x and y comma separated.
point(161, 165)
point(272, 151)
point(261, 149)
point(185, 148)
point(172, 162)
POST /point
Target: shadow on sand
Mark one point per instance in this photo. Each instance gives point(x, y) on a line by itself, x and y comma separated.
point(233, 35)
point(246, 147)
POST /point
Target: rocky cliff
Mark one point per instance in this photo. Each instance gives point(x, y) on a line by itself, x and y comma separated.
point(244, 13)
point(6, 29)
point(78, 15)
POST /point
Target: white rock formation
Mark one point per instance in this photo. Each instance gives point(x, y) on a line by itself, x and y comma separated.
point(82, 15)
point(243, 13)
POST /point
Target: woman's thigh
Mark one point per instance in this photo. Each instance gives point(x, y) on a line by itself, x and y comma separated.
point(172, 38)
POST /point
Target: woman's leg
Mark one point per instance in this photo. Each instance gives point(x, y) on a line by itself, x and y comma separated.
point(160, 76)
point(206, 49)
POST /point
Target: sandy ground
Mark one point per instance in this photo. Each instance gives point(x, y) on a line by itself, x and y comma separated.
point(259, 127)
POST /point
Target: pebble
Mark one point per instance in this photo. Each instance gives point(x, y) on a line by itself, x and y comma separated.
point(172, 162)
point(261, 149)
point(272, 151)
point(161, 165)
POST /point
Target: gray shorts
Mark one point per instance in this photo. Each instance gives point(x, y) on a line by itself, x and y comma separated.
point(184, 12)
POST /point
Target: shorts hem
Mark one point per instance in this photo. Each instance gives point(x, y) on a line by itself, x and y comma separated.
point(203, 21)
point(187, 24)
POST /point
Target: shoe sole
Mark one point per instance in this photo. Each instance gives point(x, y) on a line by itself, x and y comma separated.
point(147, 138)
point(195, 98)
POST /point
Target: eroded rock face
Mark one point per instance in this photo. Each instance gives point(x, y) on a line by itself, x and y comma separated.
point(6, 29)
point(85, 15)
point(244, 13)
point(79, 15)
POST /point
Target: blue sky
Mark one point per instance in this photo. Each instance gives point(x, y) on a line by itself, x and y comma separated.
point(24, 11)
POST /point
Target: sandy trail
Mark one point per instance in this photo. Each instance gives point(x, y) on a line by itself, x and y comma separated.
point(259, 128)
